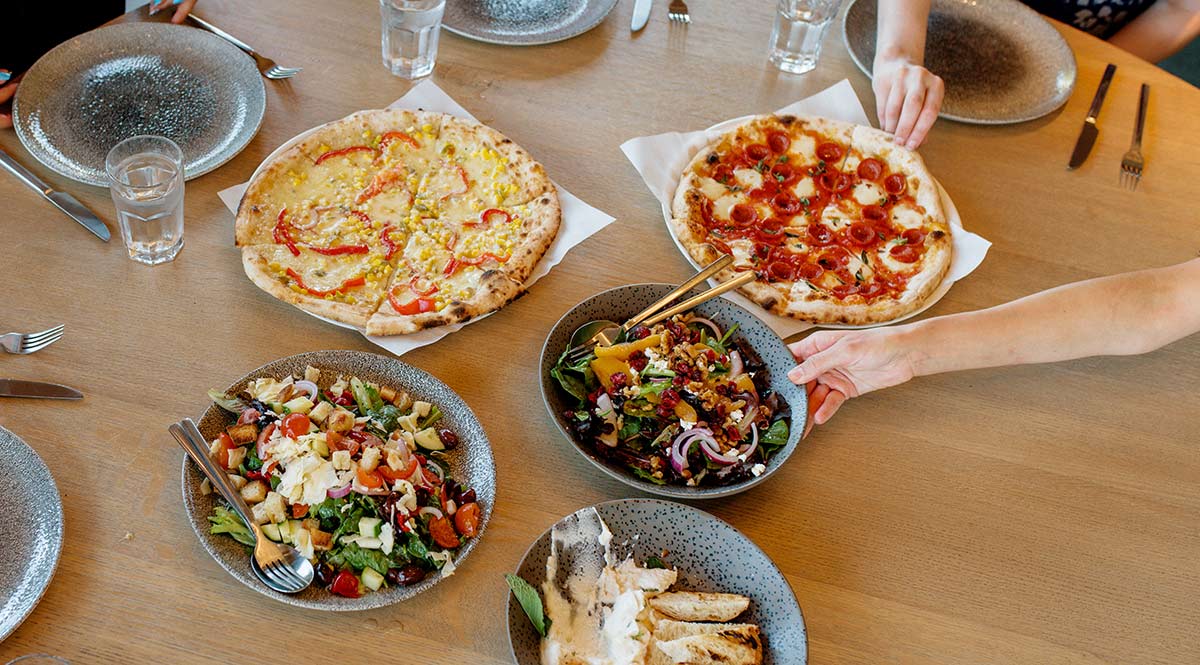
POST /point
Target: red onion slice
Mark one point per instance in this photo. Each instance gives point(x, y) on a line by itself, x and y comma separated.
point(709, 446)
point(308, 387)
point(338, 492)
point(430, 510)
point(705, 322)
point(751, 411)
point(736, 366)
point(748, 449)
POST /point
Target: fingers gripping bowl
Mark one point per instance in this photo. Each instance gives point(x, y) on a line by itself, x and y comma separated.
point(674, 437)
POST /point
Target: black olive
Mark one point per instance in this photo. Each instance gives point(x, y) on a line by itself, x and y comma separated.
point(466, 497)
point(325, 574)
point(449, 439)
point(409, 574)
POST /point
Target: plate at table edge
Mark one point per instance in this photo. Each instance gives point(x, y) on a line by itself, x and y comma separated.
point(474, 454)
point(756, 334)
point(785, 597)
point(45, 558)
point(565, 33)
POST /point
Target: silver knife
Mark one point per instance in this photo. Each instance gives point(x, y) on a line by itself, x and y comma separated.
point(1087, 136)
point(61, 200)
point(641, 14)
point(18, 388)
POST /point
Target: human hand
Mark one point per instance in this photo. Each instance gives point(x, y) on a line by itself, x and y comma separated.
point(907, 99)
point(8, 88)
point(184, 8)
point(838, 365)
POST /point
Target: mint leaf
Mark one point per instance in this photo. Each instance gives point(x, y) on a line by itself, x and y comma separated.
point(530, 601)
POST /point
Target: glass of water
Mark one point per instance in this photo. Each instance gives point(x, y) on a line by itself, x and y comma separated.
point(410, 35)
point(800, 26)
point(145, 177)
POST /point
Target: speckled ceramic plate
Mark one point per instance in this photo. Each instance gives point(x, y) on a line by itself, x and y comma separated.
point(1001, 61)
point(620, 304)
point(709, 554)
point(31, 530)
point(471, 463)
point(524, 22)
point(107, 85)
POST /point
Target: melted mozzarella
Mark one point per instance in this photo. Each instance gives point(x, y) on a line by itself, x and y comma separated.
point(800, 290)
point(804, 188)
point(712, 189)
point(806, 147)
point(748, 178)
point(868, 193)
point(723, 205)
point(742, 251)
point(796, 245)
point(906, 217)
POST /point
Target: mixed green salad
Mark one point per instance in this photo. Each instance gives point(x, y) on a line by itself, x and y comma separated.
point(351, 475)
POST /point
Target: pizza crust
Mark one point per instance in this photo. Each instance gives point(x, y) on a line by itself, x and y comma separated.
point(256, 263)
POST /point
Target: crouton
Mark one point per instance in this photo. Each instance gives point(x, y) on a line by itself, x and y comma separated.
point(370, 459)
point(387, 393)
point(312, 374)
point(243, 434)
point(341, 460)
point(735, 646)
point(236, 480)
point(340, 421)
point(254, 492)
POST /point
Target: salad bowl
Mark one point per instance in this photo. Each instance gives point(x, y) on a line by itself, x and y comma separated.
point(470, 462)
point(752, 334)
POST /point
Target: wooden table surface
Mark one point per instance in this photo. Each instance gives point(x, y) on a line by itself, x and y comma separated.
point(1045, 514)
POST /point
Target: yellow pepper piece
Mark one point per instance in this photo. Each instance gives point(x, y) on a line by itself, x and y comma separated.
point(623, 351)
point(745, 383)
point(605, 367)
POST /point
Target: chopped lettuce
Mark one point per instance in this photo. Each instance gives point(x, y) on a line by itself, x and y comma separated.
point(227, 521)
point(230, 403)
point(577, 379)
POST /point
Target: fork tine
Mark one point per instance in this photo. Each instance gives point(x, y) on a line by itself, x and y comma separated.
point(41, 344)
point(57, 330)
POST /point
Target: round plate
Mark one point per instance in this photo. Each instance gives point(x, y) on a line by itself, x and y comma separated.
point(31, 528)
point(470, 463)
point(620, 304)
point(709, 554)
point(524, 22)
point(104, 86)
point(1001, 61)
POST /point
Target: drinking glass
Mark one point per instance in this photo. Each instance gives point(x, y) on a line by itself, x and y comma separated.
point(410, 35)
point(38, 659)
point(145, 178)
point(800, 26)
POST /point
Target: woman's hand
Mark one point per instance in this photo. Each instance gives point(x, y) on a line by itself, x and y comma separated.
point(838, 365)
point(907, 98)
point(8, 88)
point(185, 8)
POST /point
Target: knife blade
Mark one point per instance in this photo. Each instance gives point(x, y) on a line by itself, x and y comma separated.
point(19, 388)
point(1089, 132)
point(641, 14)
point(61, 200)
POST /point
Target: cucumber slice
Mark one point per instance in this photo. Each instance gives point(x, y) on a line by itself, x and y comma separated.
point(272, 531)
point(372, 579)
point(299, 405)
point(369, 527)
point(369, 543)
point(429, 440)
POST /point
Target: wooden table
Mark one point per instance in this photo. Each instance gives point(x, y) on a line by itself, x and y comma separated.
point(1035, 515)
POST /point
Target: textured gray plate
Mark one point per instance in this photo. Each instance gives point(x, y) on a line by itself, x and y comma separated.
point(709, 554)
point(623, 302)
point(1001, 61)
point(94, 91)
point(470, 463)
point(524, 22)
point(31, 530)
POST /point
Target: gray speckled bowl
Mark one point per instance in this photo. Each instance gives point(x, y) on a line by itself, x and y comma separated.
point(31, 530)
point(709, 554)
point(524, 22)
point(471, 463)
point(620, 304)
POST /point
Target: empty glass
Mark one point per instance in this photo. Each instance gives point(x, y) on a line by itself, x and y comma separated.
point(145, 177)
point(800, 26)
point(410, 35)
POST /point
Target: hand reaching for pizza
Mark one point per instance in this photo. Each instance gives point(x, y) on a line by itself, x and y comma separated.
point(7, 90)
point(184, 7)
point(907, 98)
point(838, 365)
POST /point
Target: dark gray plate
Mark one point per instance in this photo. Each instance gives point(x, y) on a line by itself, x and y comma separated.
point(709, 554)
point(1001, 61)
point(623, 302)
point(470, 463)
point(31, 530)
point(104, 86)
point(524, 22)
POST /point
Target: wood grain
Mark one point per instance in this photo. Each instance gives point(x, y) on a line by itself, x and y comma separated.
point(1043, 514)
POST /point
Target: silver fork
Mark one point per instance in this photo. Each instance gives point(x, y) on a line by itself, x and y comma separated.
point(1132, 162)
point(24, 343)
point(265, 65)
point(678, 12)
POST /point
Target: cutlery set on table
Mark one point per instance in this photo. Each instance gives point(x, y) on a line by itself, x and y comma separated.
point(25, 344)
point(1133, 162)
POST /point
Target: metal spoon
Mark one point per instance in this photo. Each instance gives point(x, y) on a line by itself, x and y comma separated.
point(278, 566)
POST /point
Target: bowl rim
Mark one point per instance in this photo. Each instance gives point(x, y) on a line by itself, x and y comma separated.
point(672, 491)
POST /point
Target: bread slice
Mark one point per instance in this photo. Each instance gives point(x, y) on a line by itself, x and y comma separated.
point(697, 606)
point(730, 646)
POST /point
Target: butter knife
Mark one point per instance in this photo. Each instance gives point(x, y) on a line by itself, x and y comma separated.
point(1087, 136)
point(18, 388)
point(61, 200)
point(641, 14)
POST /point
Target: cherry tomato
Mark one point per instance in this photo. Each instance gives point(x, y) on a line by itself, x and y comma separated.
point(223, 450)
point(369, 479)
point(299, 510)
point(345, 584)
point(443, 532)
point(466, 520)
point(296, 425)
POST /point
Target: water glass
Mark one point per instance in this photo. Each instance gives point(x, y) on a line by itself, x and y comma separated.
point(410, 35)
point(800, 26)
point(145, 178)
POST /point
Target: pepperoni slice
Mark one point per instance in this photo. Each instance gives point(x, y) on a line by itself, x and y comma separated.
point(723, 174)
point(905, 253)
point(861, 234)
point(870, 290)
point(829, 152)
point(762, 250)
point(779, 142)
point(784, 174)
point(843, 291)
point(819, 234)
point(833, 260)
point(870, 169)
point(874, 214)
point(743, 215)
point(833, 181)
point(809, 271)
point(770, 231)
point(706, 210)
point(913, 236)
point(780, 271)
point(895, 184)
point(787, 205)
point(757, 152)
point(768, 190)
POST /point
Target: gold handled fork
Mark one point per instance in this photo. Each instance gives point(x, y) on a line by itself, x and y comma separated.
point(1132, 162)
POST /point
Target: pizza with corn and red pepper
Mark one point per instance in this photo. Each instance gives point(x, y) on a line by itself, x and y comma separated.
point(396, 221)
point(840, 224)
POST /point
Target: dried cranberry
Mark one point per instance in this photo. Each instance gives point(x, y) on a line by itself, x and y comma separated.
point(619, 379)
point(637, 360)
point(670, 398)
point(449, 439)
point(721, 389)
point(664, 411)
point(640, 332)
point(733, 433)
point(711, 355)
point(678, 380)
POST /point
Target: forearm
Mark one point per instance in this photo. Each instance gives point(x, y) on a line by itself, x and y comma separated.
point(1163, 29)
point(1119, 315)
point(900, 31)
